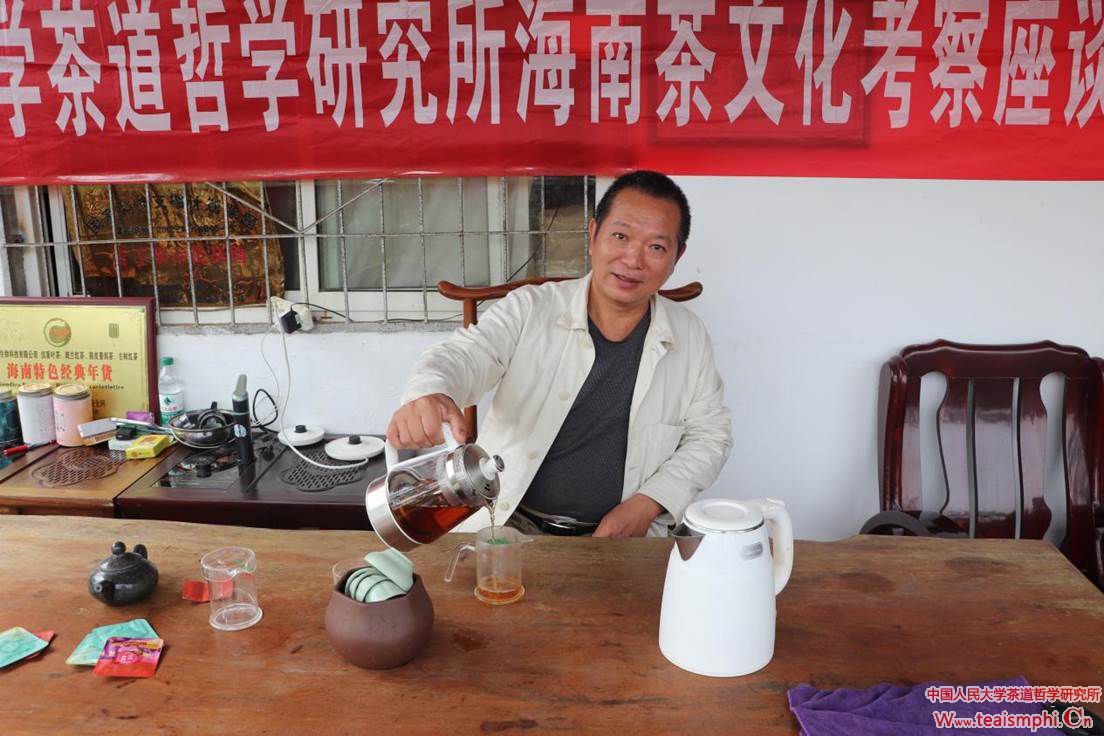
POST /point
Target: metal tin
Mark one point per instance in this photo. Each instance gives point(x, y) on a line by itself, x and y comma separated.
point(9, 419)
point(36, 412)
point(72, 408)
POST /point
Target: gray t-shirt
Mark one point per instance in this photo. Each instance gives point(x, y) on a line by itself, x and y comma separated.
point(583, 474)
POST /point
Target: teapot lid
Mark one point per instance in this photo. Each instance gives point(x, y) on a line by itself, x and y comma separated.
point(121, 560)
point(723, 515)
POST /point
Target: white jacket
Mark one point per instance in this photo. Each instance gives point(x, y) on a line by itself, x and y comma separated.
point(534, 345)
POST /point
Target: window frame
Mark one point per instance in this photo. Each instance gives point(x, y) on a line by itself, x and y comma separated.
point(50, 270)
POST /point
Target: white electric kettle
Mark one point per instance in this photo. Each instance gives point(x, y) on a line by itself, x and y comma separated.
point(717, 616)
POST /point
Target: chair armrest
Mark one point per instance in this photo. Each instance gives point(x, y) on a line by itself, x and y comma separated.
point(923, 524)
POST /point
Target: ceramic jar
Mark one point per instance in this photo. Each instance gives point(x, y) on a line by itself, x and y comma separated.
point(72, 408)
point(379, 635)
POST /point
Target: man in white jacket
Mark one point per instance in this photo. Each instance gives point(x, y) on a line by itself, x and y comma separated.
point(608, 409)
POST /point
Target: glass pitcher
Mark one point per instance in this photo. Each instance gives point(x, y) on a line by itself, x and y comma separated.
point(418, 500)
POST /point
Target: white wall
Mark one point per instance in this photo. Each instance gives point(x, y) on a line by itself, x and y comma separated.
point(810, 284)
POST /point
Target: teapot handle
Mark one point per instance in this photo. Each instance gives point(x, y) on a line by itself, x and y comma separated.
point(774, 511)
point(391, 455)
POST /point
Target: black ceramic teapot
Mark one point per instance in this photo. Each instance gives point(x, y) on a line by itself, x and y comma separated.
point(124, 577)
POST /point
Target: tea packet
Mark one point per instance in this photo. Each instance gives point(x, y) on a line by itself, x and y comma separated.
point(46, 636)
point(88, 651)
point(200, 591)
point(17, 643)
point(123, 657)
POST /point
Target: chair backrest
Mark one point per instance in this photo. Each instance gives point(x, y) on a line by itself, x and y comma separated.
point(470, 296)
point(992, 427)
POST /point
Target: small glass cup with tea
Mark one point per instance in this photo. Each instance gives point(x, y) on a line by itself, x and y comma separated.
point(497, 564)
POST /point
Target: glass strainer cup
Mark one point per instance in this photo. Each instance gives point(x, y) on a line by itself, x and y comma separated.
point(229, 573)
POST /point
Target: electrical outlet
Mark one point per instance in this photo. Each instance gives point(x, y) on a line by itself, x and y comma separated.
point(291, 317)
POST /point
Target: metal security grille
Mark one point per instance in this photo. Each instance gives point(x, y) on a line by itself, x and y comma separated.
point(366, 251)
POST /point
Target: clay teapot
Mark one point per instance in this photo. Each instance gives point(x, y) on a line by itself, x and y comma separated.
point(124, 577)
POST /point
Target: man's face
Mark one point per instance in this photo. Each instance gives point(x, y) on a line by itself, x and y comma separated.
point(636, 249)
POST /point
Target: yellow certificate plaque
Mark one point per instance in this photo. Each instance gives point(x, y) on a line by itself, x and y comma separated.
point(105, 344)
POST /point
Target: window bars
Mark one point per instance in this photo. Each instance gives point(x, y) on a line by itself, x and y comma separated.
point(374, 253)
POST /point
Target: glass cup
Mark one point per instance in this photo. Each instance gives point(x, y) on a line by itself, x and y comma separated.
point(229, 573)
point(497, 564)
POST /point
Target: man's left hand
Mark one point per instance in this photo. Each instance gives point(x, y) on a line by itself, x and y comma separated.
point(630, 518)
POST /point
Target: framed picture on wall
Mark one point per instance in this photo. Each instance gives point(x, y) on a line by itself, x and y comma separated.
point(106, 343)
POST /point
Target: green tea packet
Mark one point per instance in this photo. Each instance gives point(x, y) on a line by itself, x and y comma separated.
point(16, 644)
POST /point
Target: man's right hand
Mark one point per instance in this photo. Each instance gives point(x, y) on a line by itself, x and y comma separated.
point(417, 423)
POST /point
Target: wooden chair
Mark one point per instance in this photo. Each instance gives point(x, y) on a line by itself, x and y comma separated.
point(470, 296)
point(990, 446)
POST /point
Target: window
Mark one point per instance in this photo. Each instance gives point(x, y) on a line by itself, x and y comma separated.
point(213, 253)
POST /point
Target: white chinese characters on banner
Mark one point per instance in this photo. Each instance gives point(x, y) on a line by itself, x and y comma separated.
point(411, 20)
point(821, 76)
point(546, 71)
point(615, 61)
point(1086, 94)
point(1027, 52)
point(334, 63)
point(686, 61)
point(139, 64)
point(292, 49)
point(896, 35)
point(16, 41)
point(73, 74)
point(473, 58)
point(198, 33)
point(267, 44)
point(755, 62)
point(959, 71)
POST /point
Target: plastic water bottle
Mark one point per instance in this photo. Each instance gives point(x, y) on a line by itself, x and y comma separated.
point(171, 391)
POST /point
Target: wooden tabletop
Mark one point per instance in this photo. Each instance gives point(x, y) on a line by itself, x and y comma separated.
point(578, 653)
point(23, 490)
point(10, 466)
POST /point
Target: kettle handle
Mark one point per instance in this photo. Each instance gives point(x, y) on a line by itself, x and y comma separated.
point(774, 511)
point(392, 455)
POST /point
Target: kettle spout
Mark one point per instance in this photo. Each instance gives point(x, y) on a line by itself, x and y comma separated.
point(686, 540)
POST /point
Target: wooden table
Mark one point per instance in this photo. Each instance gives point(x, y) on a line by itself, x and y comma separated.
point(578, 653)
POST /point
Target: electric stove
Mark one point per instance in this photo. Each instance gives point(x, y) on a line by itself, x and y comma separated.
point(280, 491)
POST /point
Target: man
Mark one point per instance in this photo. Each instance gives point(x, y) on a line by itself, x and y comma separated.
point(608, 409)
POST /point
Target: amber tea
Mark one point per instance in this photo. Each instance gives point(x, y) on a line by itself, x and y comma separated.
point(499, 591)
point(426, 524)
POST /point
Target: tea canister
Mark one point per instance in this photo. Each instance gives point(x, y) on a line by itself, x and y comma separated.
point(72, 408)
point(9, 419)
point(36, 412)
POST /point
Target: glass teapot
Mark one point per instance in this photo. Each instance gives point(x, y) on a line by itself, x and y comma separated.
point(418, 500)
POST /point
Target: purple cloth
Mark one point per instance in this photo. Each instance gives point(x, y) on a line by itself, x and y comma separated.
point(891, 710)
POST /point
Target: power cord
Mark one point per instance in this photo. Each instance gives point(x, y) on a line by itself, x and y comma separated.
point(281, 412)
point(266, 425)
point(324, 309)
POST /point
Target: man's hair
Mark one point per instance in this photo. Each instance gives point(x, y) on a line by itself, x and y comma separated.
point(653, 184)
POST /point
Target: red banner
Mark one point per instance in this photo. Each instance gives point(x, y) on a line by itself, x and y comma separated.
point(141, 90)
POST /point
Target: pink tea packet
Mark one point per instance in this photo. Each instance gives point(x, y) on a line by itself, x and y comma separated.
point(129, 657)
